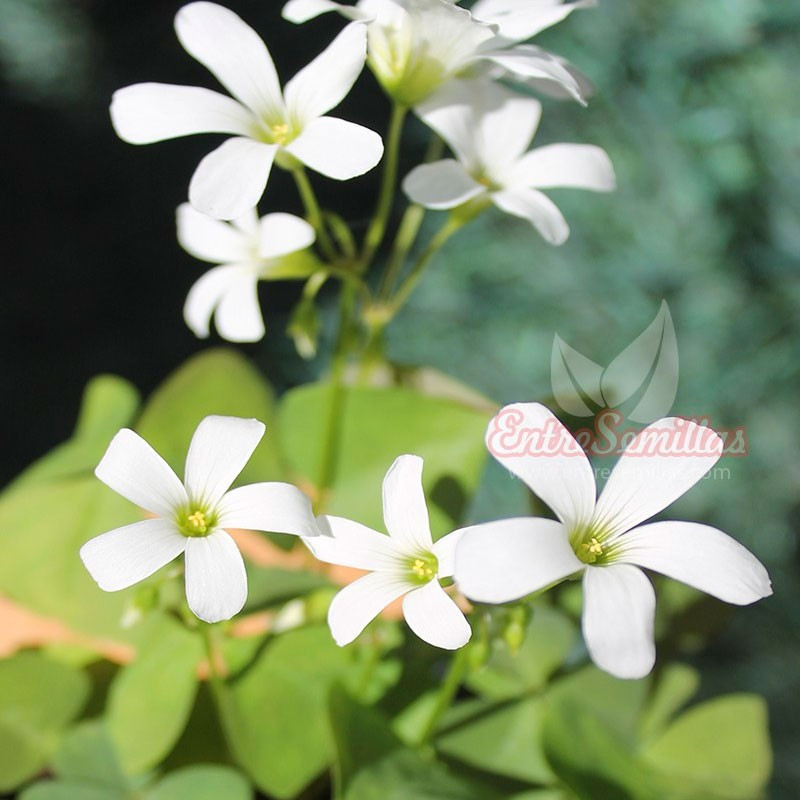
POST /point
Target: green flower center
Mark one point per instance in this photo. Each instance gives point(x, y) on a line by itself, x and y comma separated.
point(195, 521)
point(423, 567)
point(591, 546)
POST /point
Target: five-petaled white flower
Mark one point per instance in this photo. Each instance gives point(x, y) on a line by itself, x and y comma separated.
point(417, 46)
point(267, 124)
point(406, 562)
point(489, 129)
point(249, 250)
point(497, 562)
point(191, 517)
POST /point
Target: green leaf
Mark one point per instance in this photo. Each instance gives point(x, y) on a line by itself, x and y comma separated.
point(201, 782)
point(69, 790)
point(151, 698)
point(273, 722)
point(371, 762)
point(38, 698)
point(42, 527)
point(216, 381)
point(550, 635)
point(675, 686)
point(87, 754)
point(505, 739)
point(377, 425)
point(109, 403)
point(718, 750)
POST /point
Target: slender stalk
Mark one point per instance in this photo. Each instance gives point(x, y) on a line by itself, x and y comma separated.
point(331, 438)
point(453, 224)
point(215, 680)
point(377, 228)
point(447, 692)
point(314, 212)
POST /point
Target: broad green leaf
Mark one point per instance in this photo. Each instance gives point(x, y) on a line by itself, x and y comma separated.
point(38, 698)
point(216, 381)
point(201, 782)
point(505, 739)
point(70, 790)
point(86, 753)
point(151, 698)
point(42, 527)
point(371, 762)
point(376, 426)
point(109, 403)
point(548, 640)
point(274, 719)
point(718, 750)
point(674, 687)
point(591, 757)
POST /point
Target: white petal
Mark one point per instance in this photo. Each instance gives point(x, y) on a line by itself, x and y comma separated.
point(528, 61)
point(127, 555)
point(219, 449)
point(337, 149)
point(303, 10)
point(538, 209)
point(443, 184)
point(433, 615)
point(445, 551)
point(238, 316)
point(487, 126)
point(521, 19)
point(405, 511)
point(234, 53)
point(280, 234)
point(700, 556)
point(528, 440)
point(325, 82)
point(133, 469)
point(152, 112)
point(231, 179)
point(277, 507)
point(216, 581)
point(501, 561)
point(209, 239)
point(207, 293)
point(350, 544)
point(360, 602)
point(579, 166)
point(618, 611)
point(652, 473)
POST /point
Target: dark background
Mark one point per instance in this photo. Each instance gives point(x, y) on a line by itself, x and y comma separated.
point(697, 104)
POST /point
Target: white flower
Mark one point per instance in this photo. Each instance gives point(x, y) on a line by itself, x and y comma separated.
point(489, 129)
point(417, 46)
point(405, 563)
point(191, 517)
point(266, 123)
point(249, 250)
point(603, 538)
point(519, 20)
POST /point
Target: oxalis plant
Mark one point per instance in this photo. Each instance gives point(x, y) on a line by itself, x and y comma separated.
point(298, 605)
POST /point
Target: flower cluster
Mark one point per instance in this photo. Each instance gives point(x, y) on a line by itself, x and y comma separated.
point(432, 56)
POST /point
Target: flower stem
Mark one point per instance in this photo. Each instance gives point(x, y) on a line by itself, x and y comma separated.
point(377, 228)
point(314, 212)
point(447, 692)
point(215, 681)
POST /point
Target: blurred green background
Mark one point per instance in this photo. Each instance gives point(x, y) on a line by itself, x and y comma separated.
point(696, 103)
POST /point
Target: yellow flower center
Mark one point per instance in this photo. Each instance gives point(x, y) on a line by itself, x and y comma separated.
point(590, 551)
point(197, 521)
point(279, 133)
point(424, 567)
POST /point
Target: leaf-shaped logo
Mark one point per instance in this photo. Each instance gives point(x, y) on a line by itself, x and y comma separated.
point(575, 380)
point(647, 368)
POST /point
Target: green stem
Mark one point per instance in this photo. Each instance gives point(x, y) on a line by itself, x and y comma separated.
point(377, 228)
point(453, 224)
point(314, 212)
point(333, 418)
point(218, 689)
point(447, 692)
